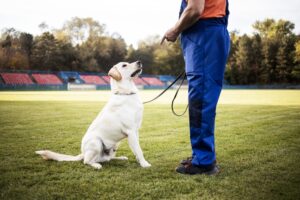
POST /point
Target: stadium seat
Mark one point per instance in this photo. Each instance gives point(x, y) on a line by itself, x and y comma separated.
point(106, 78)
point(167, 79)
point(139, 81)
point(153, 81)
point(16, 78)
point(69, 76)
point(46, 79)
point(93, 79)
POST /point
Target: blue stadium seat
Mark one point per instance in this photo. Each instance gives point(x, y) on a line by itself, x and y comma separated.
point(167, 79)
point(70, 77)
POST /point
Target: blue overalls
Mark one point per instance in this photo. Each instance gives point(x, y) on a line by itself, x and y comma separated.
point(205, 48)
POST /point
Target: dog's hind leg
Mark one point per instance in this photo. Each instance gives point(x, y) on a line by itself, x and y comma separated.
point(90, 158)
point(92, 150)
point(114, 157)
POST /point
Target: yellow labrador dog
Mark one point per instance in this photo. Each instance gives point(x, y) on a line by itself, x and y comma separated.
point(120, 118)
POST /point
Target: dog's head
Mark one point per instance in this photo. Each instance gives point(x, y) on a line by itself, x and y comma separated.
point(125, 71)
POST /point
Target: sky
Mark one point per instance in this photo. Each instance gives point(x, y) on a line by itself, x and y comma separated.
point(135, 20)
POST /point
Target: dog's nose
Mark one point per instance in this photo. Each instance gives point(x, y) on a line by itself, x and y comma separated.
point(139, 63)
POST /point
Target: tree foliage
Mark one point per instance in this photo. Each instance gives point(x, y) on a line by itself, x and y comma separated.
point(267, 57)
point(158, 59)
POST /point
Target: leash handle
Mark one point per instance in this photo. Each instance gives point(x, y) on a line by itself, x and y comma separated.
point(183, 74)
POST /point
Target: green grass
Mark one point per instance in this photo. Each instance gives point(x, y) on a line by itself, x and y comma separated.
point(258, 149)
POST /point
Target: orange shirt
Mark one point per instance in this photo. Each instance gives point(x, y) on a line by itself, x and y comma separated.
point(214, 8)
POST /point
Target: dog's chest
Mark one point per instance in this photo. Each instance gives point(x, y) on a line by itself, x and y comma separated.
point(130, 111)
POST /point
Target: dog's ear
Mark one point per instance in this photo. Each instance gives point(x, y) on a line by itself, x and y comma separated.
point(115, 74)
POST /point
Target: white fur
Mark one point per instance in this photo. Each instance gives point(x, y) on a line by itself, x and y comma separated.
point(121, 117)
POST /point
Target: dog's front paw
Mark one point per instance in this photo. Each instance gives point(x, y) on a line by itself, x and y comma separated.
point(122, 158)
point(96, 165)
point(145, 164)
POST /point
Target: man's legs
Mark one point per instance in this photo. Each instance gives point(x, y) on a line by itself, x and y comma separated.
point(203, 98)
point(205, 64)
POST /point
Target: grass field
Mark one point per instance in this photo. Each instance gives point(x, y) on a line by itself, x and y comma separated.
point(257, 140)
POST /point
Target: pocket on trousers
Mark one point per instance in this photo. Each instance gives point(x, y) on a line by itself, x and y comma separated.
point(194, 55)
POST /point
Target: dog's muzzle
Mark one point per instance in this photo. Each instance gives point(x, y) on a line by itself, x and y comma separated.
point(136, 72)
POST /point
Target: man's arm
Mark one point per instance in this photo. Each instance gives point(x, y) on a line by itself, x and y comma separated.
point(190, 15)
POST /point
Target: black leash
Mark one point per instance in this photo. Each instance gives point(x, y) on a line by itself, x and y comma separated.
point(183, 76)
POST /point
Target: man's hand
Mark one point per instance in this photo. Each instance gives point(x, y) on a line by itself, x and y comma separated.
point(190, 15)
point(171, 36)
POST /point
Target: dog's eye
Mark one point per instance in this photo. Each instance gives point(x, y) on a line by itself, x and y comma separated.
point(124, 65)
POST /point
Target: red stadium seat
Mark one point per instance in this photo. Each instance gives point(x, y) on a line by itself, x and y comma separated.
point(153, 81)
point(46, 79)
point(139, 81)
point(93, 79)
point(16, 78)
point(106, 78)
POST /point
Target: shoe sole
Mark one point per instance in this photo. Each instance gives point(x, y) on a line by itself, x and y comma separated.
point(214, 171)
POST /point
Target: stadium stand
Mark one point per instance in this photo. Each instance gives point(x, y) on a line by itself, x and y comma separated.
point(153, 81)
point(66, 80)
point(70, 77)
point(93, 79)
point(16, 78)
point(46, 79)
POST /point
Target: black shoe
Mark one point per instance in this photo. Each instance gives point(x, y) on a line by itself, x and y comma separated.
point(186, 161)
point(191, 169)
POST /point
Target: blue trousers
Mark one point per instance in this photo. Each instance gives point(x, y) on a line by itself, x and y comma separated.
point(205, 48)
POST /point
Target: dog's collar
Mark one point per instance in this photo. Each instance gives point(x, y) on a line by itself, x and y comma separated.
point(118, 93)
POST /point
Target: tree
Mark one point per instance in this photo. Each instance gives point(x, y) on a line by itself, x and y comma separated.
point(156, 58)
point(78, 30)
point(12, 56)
point(6, 51)
point(44, 27)
point(285, 58)
point(51, 54)
point(144, 52)
point(295, 74)
point(26, 43)
point(278, 49)
point(257, 57)
point(297, 51)
point(109, 51)
point(68, 57)
point(246, 61)
point(269, 28)
point(169, 59)
point(231, 72)
point(101, 53)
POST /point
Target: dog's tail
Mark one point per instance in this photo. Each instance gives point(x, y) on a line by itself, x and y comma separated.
point(50, 155)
